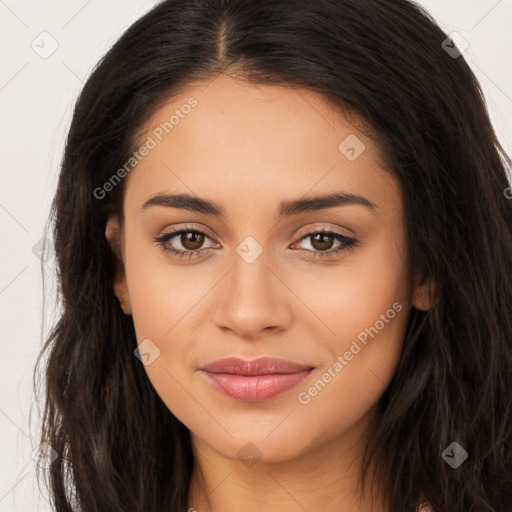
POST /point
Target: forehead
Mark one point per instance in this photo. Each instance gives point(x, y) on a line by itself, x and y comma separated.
point(251, 144)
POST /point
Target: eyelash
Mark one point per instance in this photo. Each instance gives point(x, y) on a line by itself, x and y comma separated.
point(348, 243)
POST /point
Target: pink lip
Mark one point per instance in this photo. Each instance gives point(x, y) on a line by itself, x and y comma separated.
point(254, 380)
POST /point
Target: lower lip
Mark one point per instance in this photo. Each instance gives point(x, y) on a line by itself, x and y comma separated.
point(255, 388)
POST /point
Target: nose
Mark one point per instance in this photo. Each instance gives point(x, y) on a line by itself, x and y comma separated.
point(252, 300)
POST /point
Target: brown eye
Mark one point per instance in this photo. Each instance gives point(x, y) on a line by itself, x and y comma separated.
point(186, 243)
point(322, 241)
point(192, 240)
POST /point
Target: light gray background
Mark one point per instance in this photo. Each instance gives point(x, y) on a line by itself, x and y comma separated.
point(36, 101)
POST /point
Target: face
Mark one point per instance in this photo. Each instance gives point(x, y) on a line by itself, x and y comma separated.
point(263, 269)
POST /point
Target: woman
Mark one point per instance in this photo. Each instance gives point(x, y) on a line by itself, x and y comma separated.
point(283, 239)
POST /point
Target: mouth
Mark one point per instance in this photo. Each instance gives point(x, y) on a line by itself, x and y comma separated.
point(254, 380)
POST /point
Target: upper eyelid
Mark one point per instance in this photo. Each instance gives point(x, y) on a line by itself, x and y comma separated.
point(186, 229)
point(206, 230)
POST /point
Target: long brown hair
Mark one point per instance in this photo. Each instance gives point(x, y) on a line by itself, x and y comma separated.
point(118, 446)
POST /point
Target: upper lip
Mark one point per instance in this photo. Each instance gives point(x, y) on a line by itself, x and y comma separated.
point(261, 366)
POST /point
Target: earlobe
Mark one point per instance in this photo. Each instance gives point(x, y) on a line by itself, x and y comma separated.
point(424, 296)
point(124, 302)
point(113, 235)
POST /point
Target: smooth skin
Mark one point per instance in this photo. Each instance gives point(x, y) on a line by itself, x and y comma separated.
point(247, 148)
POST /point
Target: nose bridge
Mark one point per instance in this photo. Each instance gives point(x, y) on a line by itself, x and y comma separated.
point(251, 268)
point(252, 298)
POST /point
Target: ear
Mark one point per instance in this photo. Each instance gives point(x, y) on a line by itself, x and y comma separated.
point(424, 295)
point(114, 237)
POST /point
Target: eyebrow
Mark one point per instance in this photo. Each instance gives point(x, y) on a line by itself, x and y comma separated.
point(286, 208)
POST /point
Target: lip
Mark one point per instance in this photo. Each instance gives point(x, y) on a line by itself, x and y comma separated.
point(254, 380)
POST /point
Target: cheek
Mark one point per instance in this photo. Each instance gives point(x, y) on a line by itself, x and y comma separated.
point(167, 303)
point(353, 296)
point(162, 293)
point(365, 306)
point(363, 355)
point(353, 380)
point(163, 299)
